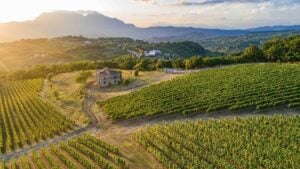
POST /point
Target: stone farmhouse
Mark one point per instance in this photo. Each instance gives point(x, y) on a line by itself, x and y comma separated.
point(106, 77)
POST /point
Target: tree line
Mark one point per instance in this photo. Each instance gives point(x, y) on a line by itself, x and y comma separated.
point(274, 50)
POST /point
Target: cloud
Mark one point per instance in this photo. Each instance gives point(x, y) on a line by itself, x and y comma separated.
point(143, 0)
point(213, 2)
point(155, 2)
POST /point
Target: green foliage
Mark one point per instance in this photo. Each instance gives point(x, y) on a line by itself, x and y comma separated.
point(237, 87)
point(177, 63)
point(50, 76)
point(145, 64)
point(50, 159)
point(236, 44)
point(256, 142)
point(126, 82)
point(127, 62)
point(284, 50)
point(25, 118)
point(38, 161)
point(193, 63)
point(254, 54)
point(136, 72)
point(178, 49)
point(3, 165)
point(42, 71)
point(83, 76)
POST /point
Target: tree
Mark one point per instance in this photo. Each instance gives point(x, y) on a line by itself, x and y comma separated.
point(274, 49)
point(127, 62)
point(126, 82)
point(136, 72)
point(193, 63)
point(253, 54)
point(159, 64)
point(50, 76)
point(177, 63)
point(83, 76)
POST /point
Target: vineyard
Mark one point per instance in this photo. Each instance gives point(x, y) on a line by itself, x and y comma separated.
point(252, 86)
point(82, 152)
point(256, 142)
point(24, 118)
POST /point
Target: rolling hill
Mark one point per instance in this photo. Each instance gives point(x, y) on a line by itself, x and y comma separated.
point(30, 52)
point(252, 86)
point(257, 142)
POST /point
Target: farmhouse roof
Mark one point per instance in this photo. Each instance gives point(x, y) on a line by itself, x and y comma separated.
point(107, 72)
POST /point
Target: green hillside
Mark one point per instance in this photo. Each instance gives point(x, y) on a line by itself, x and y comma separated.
point(233, 44)
point(25, 53)
point(251, 86)
point(256, 142)
point(29, 52)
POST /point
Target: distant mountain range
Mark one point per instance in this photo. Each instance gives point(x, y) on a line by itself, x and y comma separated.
point(94, 25)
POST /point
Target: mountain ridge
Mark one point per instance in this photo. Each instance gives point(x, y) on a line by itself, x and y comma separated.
point(93, 25)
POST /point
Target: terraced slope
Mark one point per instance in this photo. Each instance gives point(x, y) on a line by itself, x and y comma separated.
point(24, 118)
point(256, 142)
point(82, 152)
point(253, 86)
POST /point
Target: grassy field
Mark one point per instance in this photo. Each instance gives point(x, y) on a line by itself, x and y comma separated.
point(135, 83)
point(69, 99)
point(252, 86)
point(256, 142)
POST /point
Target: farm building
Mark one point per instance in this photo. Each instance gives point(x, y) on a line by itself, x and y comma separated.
point(153, 53)
point(106, 77)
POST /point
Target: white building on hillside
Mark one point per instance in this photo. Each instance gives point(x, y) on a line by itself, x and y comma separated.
point(153, 53)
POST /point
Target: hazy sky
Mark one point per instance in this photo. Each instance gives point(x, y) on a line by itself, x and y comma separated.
point(143, 13)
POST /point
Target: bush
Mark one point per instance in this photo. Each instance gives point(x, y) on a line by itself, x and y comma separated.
point(136, 72)
point(126, 82)
point(83, 76)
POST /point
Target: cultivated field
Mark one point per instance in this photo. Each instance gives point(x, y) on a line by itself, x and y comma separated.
point(82, 152)
point(250, 141)
point(256, 142)
point(252, 86)
point(26, 119)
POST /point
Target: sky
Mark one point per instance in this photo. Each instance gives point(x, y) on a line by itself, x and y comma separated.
point(144, 13)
